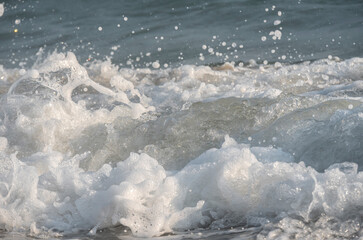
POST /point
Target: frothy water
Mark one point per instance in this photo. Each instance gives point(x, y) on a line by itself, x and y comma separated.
point(242, 149)
point(157, 151)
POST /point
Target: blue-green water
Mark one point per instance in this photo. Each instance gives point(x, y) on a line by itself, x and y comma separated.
point(310, 30)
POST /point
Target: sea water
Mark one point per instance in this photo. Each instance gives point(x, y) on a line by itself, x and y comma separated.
point(181, 119)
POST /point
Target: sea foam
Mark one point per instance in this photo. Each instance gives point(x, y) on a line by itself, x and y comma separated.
point(87, 147)
point(236, 185)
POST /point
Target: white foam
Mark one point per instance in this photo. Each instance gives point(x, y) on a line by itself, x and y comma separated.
point(51, 191)
point(277, 22)
point(2, 9)
point(68, 133)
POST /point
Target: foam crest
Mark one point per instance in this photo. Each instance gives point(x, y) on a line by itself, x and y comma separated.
point(50, 105)
point(88, 147)
point(221, 188)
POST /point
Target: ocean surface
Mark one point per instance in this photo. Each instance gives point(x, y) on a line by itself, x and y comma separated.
point(181, 119)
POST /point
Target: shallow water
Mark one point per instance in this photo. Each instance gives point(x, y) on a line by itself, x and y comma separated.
point(213, 136)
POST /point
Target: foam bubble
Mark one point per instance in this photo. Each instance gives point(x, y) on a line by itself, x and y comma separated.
point(156, 64)
point(33, 73)
point(276, 35)
point(277, 22)
point(2, 9)
point(3, 143)
point(22, 72)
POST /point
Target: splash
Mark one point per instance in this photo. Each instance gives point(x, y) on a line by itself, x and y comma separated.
point(88, 147)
